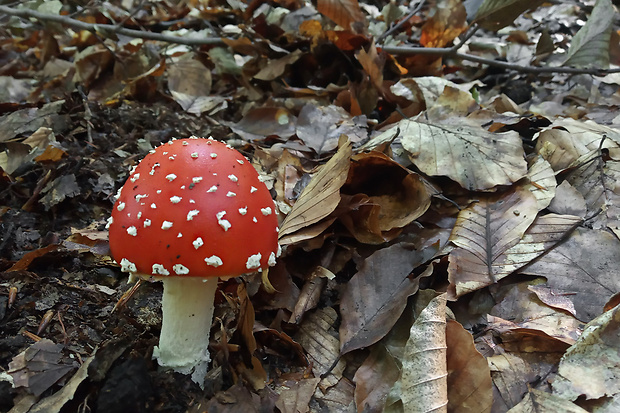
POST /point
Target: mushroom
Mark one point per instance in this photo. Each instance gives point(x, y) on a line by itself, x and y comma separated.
point(193, 210)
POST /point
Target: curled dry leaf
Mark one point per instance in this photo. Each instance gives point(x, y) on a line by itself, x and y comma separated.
point(382, 198)
point(376, 296)
point(319, 199)
point(423, 380)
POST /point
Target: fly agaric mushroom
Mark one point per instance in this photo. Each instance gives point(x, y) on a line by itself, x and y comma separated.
point(193, 210)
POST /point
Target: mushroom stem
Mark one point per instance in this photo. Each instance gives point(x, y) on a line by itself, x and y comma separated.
point(187, 307)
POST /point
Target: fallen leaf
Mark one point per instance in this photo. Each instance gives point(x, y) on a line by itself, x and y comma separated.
point(591, 367)
point(320, 198)
point(465, 152)
point(540, 401)
point(295, 396)
point(377, 294)
point(423, 379)
point(590, 45)
point(583, 268)
point(343, 12)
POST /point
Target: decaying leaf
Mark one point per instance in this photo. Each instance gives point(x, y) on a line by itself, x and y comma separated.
point(536, 401)
point(497, 14)
point(381, 197)
point(377, 295)
point(423, 381)
point(343, 12)
point(469, 378)
point(39, 367)
point(591, 367)
point(189, 82)
point(320, 198)
point(317, 336)
point(590, 45)
point(295, 396)
point(484, 232)
point(583, 268)
point(463, 151)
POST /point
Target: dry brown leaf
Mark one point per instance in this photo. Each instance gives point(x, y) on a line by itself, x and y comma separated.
point(259, 123)
point(584, 269)
point(423, 380)
point(591, 367)
point(377, 294)
point(541, 236)
point(373, 380)
point(445, 25)
point(380, 197)
point(276, 67)
point(540, 401)
point(511, 375)
point(469, 378)
point(372, 64)
point(295, 396)
point(463, 151)
point(484, 231)
point(317, 336)
point(320, 198)
point(189, 82)
point(343, 12)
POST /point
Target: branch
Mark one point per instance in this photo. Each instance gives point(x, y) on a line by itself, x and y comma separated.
point(450, 52)
point(216, 41)
point(109, 28)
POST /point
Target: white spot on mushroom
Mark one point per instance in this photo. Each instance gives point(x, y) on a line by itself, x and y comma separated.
point(139, 197)
point(129, 215)
point(175, 199)
point(110, 221)
point(253, 189)
point(180, 269)
point(194, 155)
point(171, 177)
point(272, 259)
point(191, 214)
point(133, 231)
point(212, 189)
point(266, 211)
point(153, 206)
point(243, 210)
point(231, 194)
point(164, 153)
point(279, 251)
point(118, 193)
point(153, 168)
point(182, 186)
point(133, 169)
point(185, 143)
point(135, 177)
point(139, 215)
point(147, 223)
point(214, 261)
point(121, 206)
point(233, 178)
point(253, 262)
point(128, 266)
point(171, 158)
point(159, 269)
point(196, 179)
point(277, 229)
point(191, 201)
point(225, 224)
point(198, 242)
point(240, 161)
point(214, 155)
point(166, 225)
point(254, 219)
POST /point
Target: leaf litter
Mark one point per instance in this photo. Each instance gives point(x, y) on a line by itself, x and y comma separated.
point(450, 229)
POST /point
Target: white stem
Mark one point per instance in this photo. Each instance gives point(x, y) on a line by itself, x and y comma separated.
point(187, 307)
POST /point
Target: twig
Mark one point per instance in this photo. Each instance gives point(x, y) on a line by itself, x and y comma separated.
point(448, 52)
point(109, 28)
point(401, 22)
point(216, 41)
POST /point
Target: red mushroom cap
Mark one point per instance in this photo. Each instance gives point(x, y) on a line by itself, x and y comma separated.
point(194, 207)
